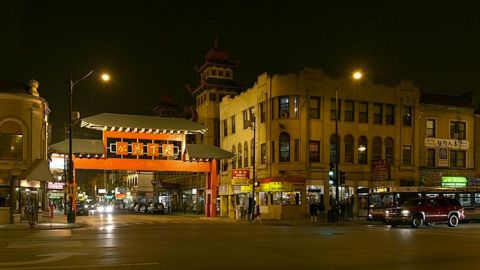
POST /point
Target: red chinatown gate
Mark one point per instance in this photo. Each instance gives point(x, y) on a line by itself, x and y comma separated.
point(146, 143)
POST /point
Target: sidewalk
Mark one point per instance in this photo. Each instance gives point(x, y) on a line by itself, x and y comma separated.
point(59, 221)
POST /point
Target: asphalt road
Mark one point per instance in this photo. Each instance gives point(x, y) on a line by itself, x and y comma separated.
point(173, 242)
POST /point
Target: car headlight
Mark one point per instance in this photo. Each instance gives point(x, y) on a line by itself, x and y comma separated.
point(101, 209)
point(109, 209)
point(405, 213)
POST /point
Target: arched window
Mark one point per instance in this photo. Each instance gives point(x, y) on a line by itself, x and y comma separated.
point(11, 141)
point(252, 153)
point(377, 148)
point(349, 144)
point(333, 150)
point(240, 155)
point(389, 150)
point(362, 150)
point(234, 159)
point(245, 154)
point(284, 147)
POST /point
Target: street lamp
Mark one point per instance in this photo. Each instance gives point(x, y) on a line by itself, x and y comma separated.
point(357, 75)
point(71, 181)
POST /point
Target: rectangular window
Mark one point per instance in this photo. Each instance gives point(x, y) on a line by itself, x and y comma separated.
point(314, 108)
point(273, 152)
point(263, 152)
point(407, 155)
point(314, 151)
point(389, 114)
point(246, 123)
point(225, 130)
point(283, 107)
point(407, 116)
point(233, 124)
point(431, 125)
point(296, 109)
point(296, 149)
point(377, 113)
point(333, 108)
point(11, 147)
point(263, 112)
point(457, 159)
point(363, 112)
point(457, 130)
point(349, 110)
point(431, 158)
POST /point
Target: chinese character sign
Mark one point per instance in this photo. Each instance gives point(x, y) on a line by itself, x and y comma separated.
point(137, 149)
point(167, 150)
point(152, 149)
point(122, 148)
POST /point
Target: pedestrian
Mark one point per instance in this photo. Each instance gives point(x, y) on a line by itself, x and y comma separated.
point(321, 210)
point(313, 212)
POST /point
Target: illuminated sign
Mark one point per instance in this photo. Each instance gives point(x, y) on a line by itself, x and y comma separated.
point(454, 181)
point(242, 174)
point(102, 191)
point(55, 185)
point(141, 149)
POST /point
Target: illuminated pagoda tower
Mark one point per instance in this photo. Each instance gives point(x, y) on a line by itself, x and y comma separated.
point(216, 81)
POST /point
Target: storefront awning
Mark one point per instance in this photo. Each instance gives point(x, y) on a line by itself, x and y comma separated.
point(79, 146)
point(39, 171)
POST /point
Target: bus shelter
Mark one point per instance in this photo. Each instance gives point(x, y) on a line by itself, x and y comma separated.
point(145, 143)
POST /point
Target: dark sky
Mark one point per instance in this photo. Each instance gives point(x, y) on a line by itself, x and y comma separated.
point(151, 47)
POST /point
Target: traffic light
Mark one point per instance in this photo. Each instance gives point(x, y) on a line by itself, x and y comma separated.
point(331, 174)
point(342, 178)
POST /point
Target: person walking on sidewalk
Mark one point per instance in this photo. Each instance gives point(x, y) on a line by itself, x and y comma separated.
point(313, 212)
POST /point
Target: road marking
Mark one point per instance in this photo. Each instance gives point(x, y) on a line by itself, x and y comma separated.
point(37, 244)
point(81, 266)
point(51, 257)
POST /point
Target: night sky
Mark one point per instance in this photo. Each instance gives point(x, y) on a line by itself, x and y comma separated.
point(151, 47)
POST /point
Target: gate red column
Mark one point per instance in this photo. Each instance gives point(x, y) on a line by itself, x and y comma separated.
point(211, 191)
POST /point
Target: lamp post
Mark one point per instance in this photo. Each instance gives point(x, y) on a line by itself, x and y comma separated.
point(357, 75)
point(71, 179)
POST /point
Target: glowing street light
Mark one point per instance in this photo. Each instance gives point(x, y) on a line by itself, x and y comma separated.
point(357, 75)
point(71, 180)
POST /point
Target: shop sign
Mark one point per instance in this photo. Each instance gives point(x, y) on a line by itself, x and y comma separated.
point(223, 190)
point(241, 174)
point(454, 181)
point(277, 186)
point(446, 143)
point(379, 170)
point(55, 185)
point(241, 182)
point(102, 191)
point(246, 189)
point(120, 196)
point(473, 182)
point(30, 183)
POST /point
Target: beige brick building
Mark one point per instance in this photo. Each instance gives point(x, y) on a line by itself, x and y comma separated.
point(295, 132)
point(23, 149)
point(447, 146)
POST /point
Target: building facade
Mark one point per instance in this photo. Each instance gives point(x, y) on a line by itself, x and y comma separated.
point(294, 144)
point(23, 150)
point(447, 149)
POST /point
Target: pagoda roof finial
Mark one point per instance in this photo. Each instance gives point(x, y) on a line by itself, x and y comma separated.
point(215, 43)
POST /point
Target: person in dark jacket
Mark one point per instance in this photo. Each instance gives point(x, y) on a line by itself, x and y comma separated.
point(313, 212)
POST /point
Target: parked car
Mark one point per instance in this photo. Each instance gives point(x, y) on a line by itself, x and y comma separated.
point(428, 211)
point(156, 208)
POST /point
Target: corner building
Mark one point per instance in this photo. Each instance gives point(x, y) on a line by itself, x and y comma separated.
point(447, 149)
point(294, 144)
